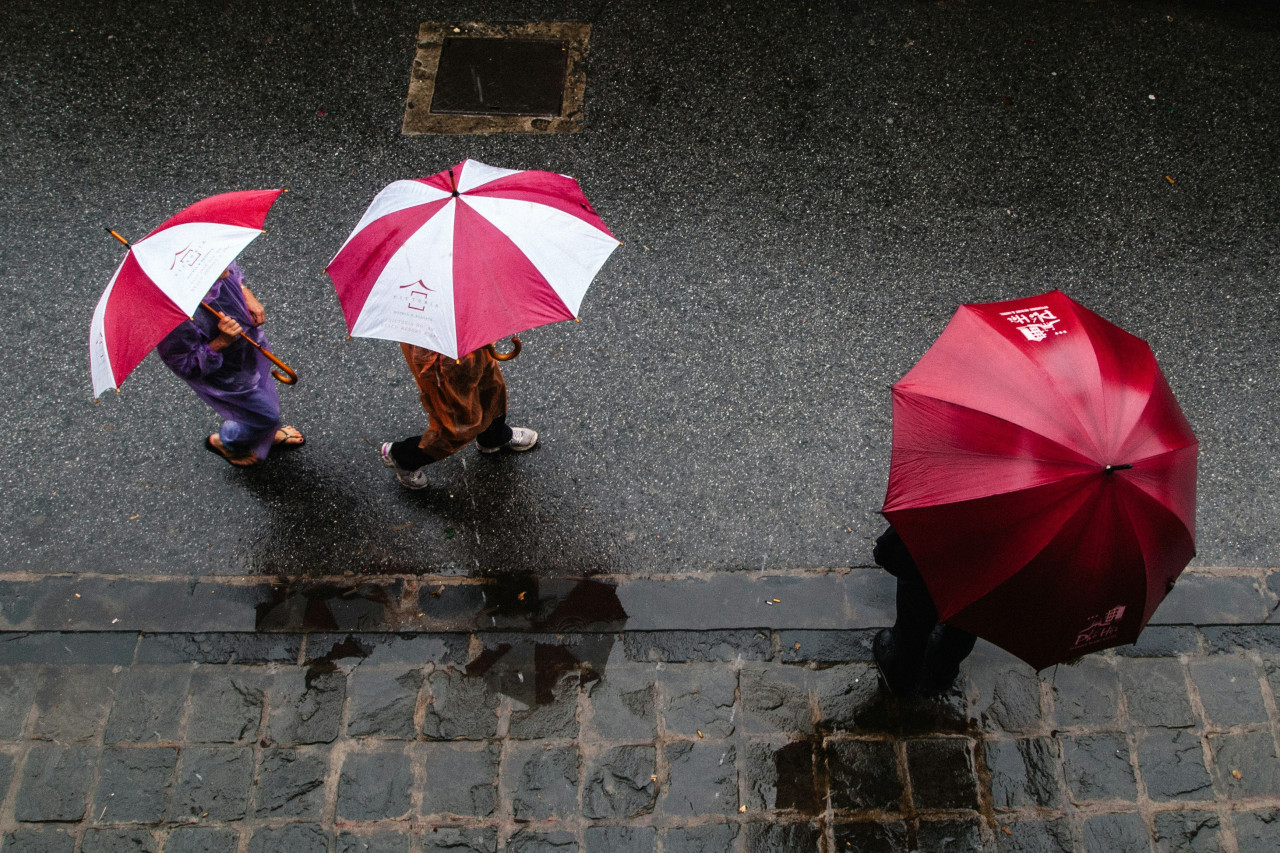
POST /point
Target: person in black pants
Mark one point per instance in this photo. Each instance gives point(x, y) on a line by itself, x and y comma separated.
point(917, 656)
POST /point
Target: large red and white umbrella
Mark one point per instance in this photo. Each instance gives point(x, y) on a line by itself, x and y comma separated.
point(164, 276)
point(468, 256)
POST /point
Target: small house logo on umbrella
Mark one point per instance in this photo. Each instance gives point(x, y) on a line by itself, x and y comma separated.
point(188, 257)
point(1035, 323)
point(1100, 627)
point(418, 295)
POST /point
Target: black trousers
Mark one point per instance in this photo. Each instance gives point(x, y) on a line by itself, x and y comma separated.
point(917, 623)
point(407, 454)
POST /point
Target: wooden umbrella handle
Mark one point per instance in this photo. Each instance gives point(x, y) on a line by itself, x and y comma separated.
point(505, 356)
point(287, 377)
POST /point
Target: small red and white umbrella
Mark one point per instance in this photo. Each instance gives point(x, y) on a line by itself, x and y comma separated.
point(468, 256)
point(164, 276)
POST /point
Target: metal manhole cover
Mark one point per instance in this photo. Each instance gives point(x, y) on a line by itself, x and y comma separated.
point(497, 78)
point(514, 77)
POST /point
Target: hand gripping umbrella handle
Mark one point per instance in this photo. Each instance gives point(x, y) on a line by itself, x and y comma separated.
point(288, 377)
point(505, 356)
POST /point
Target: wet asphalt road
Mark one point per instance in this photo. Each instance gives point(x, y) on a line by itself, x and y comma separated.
point(806, 192)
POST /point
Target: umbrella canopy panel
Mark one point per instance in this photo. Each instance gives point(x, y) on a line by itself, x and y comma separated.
point(468, 256)
point(1043, 477)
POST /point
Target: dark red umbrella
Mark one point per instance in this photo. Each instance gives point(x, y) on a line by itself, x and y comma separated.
point(1043, 478)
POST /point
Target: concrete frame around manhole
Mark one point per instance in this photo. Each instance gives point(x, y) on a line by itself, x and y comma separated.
point(418, 117)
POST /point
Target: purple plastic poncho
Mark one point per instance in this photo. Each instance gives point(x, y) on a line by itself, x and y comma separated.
point(236, 382)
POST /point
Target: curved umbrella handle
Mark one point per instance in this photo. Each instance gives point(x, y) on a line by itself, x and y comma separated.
point(505, 356)
point(289, 375)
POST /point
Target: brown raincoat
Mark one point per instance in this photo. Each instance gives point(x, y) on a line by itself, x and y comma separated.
point(461, 397)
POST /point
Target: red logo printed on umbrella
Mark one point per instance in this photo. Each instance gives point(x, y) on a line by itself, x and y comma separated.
point(418, 298)
point(188, 257)
point(1036, 324)
point(1100, 628)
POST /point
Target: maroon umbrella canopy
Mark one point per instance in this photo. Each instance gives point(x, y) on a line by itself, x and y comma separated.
point(1043, 478)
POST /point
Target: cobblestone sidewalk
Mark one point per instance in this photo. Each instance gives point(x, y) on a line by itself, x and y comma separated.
point(668, 741)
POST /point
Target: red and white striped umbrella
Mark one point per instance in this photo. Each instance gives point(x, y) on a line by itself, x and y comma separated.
point(466, 257)
point(165, 275)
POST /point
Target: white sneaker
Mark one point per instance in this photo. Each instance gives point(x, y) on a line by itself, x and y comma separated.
point(409, 478)
point(522, 439)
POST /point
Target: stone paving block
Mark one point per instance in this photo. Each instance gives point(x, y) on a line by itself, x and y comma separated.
point(783, 776)
point(1108, 833)
point(213, 783)
point(461, 778)
point(445, 839)
point(73, 702)
point(703, 779)
point(942, 773)
point(1024, 772)
point(1156, 692)
point(38, 839)
point(118, 840)
point(1034, 836)
point(461, 707)
point(775, 699)
point(620, 783)
point(305, 706)
point(886, 837)
point(695, 646)
point(864, 774)
point(1004, 693)
point(543, 781)
point(951, 836)
point(290, 782)
point(375, 784)
point(782, 837)
point(411, 650)
point(1204, 599)
point(55, 783)
point(219, 648)
point(847, 696)
point(622, 705)
point(106, 648)
point(716, 838)
point(696, 698)
point(531, 841)
point(1258, 831)
point(620, 839)
point(134, 785)
point(1172, 765)
point(1230, 691)
point(826, 646)
point(555, 719)
point(225, 704)
point(202, 839)
point(1188, 832)
point(373, 842)
point(1086, 693)
point(1097, 768)
point(290, 838)
point(1245, 765)
point(17, 694)
point(1234, 639)
point(382, 702)
point(1162, 641)
point(148, 706)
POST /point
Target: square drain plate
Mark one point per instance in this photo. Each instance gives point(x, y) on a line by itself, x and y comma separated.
point(497, 78)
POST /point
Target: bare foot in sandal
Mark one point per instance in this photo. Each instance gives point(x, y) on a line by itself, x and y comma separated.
point(288, 437)
point(214, 445)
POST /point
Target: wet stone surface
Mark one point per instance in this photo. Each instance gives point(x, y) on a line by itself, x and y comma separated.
point(567, 742)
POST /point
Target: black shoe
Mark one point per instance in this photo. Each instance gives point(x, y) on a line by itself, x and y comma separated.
point(899, 683)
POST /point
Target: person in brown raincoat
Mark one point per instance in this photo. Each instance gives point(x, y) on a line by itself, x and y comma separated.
point(465, 400)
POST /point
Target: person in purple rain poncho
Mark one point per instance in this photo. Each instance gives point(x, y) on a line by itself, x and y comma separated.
point(229, 374)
